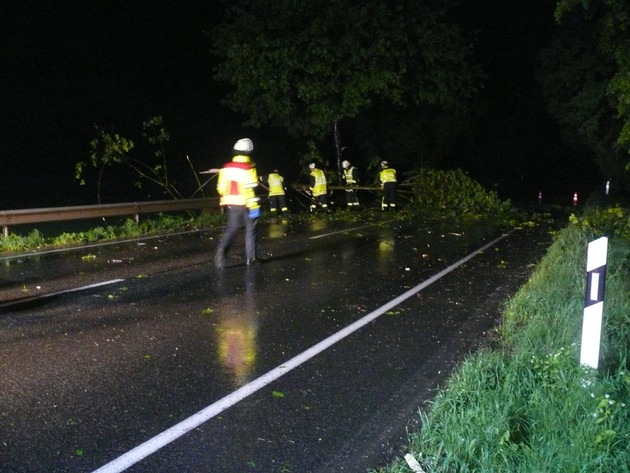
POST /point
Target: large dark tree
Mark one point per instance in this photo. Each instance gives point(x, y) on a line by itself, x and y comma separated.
point(586, 75)
point(306, 66)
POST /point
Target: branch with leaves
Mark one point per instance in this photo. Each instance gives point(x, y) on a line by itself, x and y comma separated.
point(109, 149)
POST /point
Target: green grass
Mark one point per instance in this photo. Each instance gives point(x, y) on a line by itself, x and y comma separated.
point(17, 242)
point(526, 404)
point(161, 223)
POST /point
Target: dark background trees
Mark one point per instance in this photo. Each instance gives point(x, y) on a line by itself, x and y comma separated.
point(69, 66)
point(309, 67)
point(586, 77)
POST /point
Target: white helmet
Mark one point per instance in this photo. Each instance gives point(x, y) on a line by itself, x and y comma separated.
point(244, 145)
point(345, 164)
point(384, 164)
point(311, 166)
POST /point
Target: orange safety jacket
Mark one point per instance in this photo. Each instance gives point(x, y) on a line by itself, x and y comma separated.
point(236, 183)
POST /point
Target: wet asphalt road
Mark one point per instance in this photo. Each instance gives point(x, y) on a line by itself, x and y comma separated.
point(88, 373)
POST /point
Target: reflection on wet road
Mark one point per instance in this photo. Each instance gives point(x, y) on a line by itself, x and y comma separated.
point(236, 328)
point(110, 368)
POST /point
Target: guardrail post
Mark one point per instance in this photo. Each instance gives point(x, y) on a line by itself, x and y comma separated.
point(5, 230)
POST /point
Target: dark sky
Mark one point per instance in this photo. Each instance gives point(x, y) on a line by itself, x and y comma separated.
point(68, 65)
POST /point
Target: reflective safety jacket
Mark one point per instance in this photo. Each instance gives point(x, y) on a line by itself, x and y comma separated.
point(318, 182)
point(275, 182)
point(350, 176)
point(236, 183)
point(387, 175)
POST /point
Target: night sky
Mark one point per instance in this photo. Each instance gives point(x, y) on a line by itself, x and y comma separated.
point(113, 63)
point(69, 65)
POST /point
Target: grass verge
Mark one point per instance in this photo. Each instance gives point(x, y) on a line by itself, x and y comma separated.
point(526, 404)
point(129, 228)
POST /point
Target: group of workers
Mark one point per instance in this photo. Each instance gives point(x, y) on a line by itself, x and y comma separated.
point(319, 188)
point(236, 185)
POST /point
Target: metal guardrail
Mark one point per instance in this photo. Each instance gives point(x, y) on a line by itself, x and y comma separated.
point(10, 218)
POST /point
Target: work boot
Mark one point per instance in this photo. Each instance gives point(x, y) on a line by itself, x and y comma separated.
point(219, 259)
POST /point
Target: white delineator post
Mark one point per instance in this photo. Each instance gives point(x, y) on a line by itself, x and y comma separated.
point(594, 301)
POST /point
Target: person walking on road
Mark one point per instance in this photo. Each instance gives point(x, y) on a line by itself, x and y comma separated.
point(318, 188)
point(277, 197)
point(236, 185)
point(351, 178)
point(389, 186)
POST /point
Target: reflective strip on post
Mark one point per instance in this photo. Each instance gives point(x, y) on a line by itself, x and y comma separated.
point(594, 302)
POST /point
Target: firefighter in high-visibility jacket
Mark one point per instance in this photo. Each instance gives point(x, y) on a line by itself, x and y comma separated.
point(318, 188)
point(389, 186)
point(277, 197)
point(351, 178)
point(236, 185)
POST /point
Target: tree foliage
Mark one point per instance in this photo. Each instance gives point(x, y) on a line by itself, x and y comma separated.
point(107, 149)
point(151, 167)
point(305, 66)
point(588, 75)
point(575, 79)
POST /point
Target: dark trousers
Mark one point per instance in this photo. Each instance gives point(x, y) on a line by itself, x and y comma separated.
point(321, 201)
point(389, 195)
point(277, 202)
point(238, 217)
point(351, 198)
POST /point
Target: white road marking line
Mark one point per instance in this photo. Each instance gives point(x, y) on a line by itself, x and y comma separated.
point(52, 294)
point(145, 449)
point(347, 230)
point(96, 245)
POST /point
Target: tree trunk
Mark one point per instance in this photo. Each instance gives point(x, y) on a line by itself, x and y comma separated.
point(338, 147)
